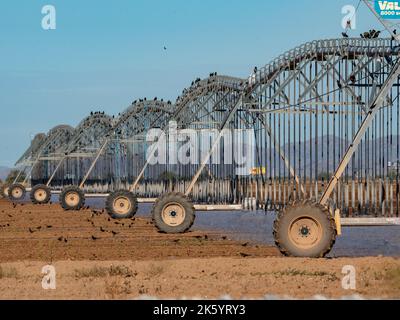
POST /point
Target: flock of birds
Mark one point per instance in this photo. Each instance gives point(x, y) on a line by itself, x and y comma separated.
point(155, 100)
point(92, 113)
point(371, 34)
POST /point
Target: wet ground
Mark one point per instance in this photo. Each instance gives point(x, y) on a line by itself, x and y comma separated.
point(257, 227)
point(48, 233)
point(226, 253)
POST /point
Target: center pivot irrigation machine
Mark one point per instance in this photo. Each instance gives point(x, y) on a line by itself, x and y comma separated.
point(322, 130)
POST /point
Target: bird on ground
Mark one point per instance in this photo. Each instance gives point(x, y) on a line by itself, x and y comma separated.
point(344, 35)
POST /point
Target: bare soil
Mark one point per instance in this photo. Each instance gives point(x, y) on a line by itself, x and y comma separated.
point(47, 233)
point(99, 258)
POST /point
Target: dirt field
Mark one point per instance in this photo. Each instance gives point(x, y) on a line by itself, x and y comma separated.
point(99, 258)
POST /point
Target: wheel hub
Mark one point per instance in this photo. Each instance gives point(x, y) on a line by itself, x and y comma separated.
point(16, 193)
point(173, 214)
point(40, 195)
point(122, 205)
point(72, 199)
point(305, 232)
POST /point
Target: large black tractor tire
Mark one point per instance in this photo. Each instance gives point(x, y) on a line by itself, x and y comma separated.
point(121, 204)
point(305, 230)
point(173, 213)
point(16, 192)
point(72, 198)
point(40, 194)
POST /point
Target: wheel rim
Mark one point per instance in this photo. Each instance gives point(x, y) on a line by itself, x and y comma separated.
point(72, 199)
point(17, 193)
point(122, 205)
point(305, 232)
point(40, 195)
point(6, 191)
point(173, 214)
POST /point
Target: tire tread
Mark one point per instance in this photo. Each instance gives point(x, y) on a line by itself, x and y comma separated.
point(173, 197)
point(280, 243)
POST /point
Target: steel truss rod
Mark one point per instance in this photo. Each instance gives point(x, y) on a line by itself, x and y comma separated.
point(54, 172)
point(103, 147)
point(96, 155)
point(180, 110)
point(343, 82)
point(215, 144)
point(19, 174)
point(188, 118)
point(314, 89)
point(282, 154)
point(70, 148)
point(372, 111)
point(309, 110)
point(314, 83)
point(36, 161)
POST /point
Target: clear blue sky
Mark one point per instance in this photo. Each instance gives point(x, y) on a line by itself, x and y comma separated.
point(105, 54)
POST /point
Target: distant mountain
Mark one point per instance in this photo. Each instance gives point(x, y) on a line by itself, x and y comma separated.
point(382, 153)
point(4, 171)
